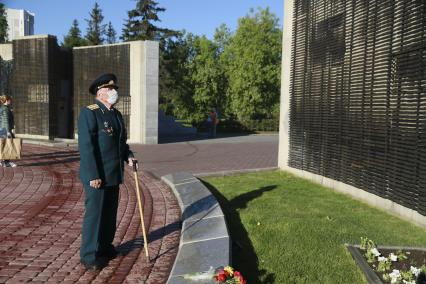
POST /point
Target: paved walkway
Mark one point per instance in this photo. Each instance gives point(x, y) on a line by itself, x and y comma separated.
point(41, 210)
point(210, 155)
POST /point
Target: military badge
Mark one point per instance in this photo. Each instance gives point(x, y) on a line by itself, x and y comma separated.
point(108, 129)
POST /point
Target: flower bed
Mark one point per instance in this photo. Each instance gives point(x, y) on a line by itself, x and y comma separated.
point(394, 265)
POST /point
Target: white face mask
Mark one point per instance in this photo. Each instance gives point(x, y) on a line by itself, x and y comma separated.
point(112, 96)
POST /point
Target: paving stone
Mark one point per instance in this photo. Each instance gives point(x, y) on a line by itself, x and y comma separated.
point(40, 230)
point(177, 178)
point(210, 155)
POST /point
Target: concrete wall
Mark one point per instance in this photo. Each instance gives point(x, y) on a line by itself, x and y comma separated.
point(6, 51)
point(374, 200)
point(144, 79)
point(144, 73)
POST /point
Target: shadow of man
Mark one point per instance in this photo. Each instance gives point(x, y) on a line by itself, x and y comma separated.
point(243, 253)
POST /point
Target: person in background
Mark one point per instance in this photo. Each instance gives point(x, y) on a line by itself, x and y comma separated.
point(213, 121)
point(7, 124)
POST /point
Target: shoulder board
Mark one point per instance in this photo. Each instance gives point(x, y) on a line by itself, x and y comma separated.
point(93, 107)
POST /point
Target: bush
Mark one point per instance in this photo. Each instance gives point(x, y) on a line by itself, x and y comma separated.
point(230, 125)
point(262, 125)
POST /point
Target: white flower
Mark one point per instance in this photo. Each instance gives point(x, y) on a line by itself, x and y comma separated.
point(393, 257)
point(375, 252)
point(382, 258)
point(394, 276)
point(409, 282)
point(415, 270)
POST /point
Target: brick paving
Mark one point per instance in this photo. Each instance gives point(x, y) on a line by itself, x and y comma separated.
point(209, 156)
point(41, 210)
point(42, 205)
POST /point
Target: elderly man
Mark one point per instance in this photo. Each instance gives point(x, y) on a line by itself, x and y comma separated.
point(103, 151)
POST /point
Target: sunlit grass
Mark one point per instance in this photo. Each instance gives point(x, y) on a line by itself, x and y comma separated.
point(289, 230)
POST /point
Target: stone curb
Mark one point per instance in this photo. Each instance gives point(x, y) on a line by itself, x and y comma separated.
point(205, 241)
point(369, 274)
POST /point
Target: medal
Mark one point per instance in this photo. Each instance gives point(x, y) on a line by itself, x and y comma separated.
point(108, 129)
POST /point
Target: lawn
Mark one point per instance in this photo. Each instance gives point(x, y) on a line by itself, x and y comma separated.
point(289, 230)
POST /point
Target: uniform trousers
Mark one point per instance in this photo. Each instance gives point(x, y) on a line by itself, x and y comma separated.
point(99, 223)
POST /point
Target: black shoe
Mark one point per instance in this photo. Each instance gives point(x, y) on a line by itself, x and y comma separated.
point(95, 266)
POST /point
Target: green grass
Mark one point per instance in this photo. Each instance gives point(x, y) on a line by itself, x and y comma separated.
point(289, 230)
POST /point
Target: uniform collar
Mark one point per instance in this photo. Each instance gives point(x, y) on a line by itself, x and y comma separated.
point(103, 107)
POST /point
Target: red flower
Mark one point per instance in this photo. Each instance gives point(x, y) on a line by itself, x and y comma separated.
point(237, 273)
point(221, 277)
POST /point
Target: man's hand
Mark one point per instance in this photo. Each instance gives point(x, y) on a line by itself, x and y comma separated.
point(96, 183)
point(132, 161)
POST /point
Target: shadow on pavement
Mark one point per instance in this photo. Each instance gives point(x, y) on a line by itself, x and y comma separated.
point(243, 254)
point(57, 154)
point(51, 162)
point(138, 243)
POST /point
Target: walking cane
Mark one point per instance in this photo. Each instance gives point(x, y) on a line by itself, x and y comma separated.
point(135, 171)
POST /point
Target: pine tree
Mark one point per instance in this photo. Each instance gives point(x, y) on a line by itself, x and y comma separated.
point(140, 23)
point(73, 38)
point(95, 29)
point(3, 24)
point(111, 34)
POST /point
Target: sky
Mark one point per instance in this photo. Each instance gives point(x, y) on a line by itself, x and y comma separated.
point(200, 17)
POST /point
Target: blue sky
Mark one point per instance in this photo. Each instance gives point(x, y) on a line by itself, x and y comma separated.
point(196, 16)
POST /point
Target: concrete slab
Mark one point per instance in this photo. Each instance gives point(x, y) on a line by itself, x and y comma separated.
point(198, 257)
point(203, 208)
point(204, 229)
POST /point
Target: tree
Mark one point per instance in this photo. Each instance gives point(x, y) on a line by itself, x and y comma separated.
point(3, 24)
point(197, 77)
point(206, 76)
point(253, 59)
point(95, 29)
point(140, 23)
point(174, 84)
point(73, 38)
point(111, 34)
point(222, 37)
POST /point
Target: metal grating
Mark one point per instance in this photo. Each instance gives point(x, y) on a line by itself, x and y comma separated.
point(91, 62)
point(5, 72)
point(358, 95)
point(39, 69)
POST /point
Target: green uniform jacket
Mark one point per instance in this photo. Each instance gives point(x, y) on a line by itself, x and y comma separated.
point(102, 144)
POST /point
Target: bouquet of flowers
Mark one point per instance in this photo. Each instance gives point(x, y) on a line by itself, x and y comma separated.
point(220, 275)
point(229, 276)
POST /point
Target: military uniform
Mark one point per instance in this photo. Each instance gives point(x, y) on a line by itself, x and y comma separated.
point(103, 150)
